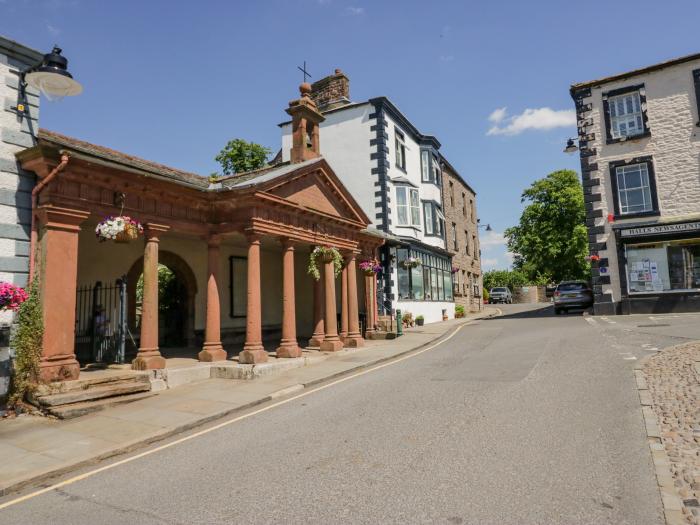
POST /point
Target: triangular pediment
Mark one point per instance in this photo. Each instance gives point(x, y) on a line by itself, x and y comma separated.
point(317, 188)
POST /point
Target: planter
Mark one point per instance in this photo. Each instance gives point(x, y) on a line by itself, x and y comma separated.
point(119, 229)
point(420, 321)
point(128, 234)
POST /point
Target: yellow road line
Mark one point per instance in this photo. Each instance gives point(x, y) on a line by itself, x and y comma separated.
point(91, 473)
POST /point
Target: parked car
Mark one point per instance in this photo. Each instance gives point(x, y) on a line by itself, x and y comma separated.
point(500, 295)
point(572, 294)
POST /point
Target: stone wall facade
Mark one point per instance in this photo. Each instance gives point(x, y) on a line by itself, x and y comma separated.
point(462, 238)
point(669, 96)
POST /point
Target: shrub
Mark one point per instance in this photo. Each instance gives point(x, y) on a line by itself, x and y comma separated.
point(486, 295)
point(27, 344)
point(459, 311)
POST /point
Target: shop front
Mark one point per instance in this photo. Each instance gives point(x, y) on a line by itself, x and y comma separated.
point(659, 267)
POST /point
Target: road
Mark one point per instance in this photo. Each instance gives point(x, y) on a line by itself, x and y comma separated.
point(523, 419)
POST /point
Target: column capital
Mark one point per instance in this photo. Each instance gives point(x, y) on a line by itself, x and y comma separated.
point(152, 231)
point(66, 219)
point(214, 240)
point(253, 237)
point(287, 243)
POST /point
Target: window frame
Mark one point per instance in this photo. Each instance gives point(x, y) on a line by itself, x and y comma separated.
point(409, 206)
point(612, 169)
point(435, 269)
point(639, 88)
point(400, 145)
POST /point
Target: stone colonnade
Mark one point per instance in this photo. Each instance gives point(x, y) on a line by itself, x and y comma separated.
point(60, 266)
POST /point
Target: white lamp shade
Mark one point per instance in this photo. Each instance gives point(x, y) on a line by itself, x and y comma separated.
point(54, 85)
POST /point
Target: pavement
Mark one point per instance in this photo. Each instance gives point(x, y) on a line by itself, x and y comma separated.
point(36, 449)
point(525, 418)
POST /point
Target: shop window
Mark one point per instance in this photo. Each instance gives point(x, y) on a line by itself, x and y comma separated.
point(663, 266)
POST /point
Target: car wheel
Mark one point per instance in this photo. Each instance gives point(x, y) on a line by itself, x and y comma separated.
point(557, 311)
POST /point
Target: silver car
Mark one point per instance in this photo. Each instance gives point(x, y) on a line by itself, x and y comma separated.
point(500, 294)
point(572, 294)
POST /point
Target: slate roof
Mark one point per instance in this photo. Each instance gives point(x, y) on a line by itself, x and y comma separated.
point(250, 178)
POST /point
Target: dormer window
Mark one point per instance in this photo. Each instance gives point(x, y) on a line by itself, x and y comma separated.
point(625, 113)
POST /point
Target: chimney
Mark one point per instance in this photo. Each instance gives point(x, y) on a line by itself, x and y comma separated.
point(305, 126)
point(331, 92)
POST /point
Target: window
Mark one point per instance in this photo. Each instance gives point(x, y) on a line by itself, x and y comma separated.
point(466, 242)
point(425, 166)
point(431, 281)
point(428, 218)
point(663, 266)
point(464, 204)
point(437, 172)
point(430, 168)
point(452, 194)
point(238, 286)
point(407, 206)
point(400, 150)
point(634, 184)
point(472, 211)
point(625, 114)
point(476, 252)
point(454, 236)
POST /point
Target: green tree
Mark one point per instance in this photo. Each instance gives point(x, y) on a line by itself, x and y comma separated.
point(510, 278)
point(551, 241)
point(239, 156)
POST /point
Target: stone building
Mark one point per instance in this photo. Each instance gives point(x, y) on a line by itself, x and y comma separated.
point(462, 237)
point(238, 248)
point(393, 170)
point(639, 138)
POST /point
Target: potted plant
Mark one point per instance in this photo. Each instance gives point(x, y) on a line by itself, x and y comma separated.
point(459, 311)
point(420, 320)
point(326, 254)
point(118, 229)
point(11, 296)
point(370, 267)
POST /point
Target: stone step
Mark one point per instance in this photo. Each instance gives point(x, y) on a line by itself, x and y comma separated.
point(85, 384)
point(98, 392)
point(80, 409)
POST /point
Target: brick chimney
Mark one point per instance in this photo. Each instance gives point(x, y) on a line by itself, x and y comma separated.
point(305, 126)
point(331, 92)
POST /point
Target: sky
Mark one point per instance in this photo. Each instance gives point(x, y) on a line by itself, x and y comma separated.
point(173, 81)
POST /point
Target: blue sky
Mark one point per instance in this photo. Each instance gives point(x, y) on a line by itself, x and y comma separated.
point(173, 81)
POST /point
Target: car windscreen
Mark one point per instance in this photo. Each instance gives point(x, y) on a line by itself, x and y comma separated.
point(571, 287)
point(499, 289)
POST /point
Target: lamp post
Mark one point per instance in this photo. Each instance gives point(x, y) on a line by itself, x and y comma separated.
point(571, 147)
point(50, 76)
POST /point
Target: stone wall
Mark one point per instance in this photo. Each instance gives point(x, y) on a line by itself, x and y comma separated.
point(459, 206)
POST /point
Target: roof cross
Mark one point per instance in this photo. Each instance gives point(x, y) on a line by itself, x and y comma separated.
point(303, 70)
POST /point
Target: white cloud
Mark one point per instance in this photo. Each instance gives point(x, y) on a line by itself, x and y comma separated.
point(537, 119)
point(487, 264)
point(52, 29)
point(497, 115)
point(492, 238)
point(494, 253)
point(355, 11)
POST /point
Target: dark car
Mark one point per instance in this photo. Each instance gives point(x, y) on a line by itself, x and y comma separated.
point(572, 294)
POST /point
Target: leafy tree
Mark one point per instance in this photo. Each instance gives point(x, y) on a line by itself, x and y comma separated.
point(510, 278)
point(551, 241)
point(239, 156)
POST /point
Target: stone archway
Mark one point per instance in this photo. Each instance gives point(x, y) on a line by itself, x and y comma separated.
point(184, 275)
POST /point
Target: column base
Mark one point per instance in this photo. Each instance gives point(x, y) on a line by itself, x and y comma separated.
point(252, 355)
point(354, 341)
point(289, 350)
point(332, 345)
point(59, 368)
point(148, 360)
point(315, 341)
point(212, 352)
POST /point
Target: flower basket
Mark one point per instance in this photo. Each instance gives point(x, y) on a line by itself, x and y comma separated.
point(411, 262)
point(326, 254)
point(120, 229)
point(370, 267)
point(11, 296)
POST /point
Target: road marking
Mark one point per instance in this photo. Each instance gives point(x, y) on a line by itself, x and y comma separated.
point(223, 424)
point(628, 356)
point(608, 320)
point(590, 321)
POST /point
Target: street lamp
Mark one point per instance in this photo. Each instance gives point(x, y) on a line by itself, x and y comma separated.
point(571, 147)
point(487, 226)
point(50, 76)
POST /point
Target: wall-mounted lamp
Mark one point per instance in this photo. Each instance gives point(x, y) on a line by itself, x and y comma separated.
point(50, 76)
point(571, 147)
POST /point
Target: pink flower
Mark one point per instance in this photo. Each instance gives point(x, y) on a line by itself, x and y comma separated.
point(11, 296)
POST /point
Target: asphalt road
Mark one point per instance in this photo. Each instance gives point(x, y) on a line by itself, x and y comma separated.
point(527, 418)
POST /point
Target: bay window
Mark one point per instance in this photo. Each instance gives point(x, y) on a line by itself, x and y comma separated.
point(430, 281)
point(434, 219)
point(407, 206)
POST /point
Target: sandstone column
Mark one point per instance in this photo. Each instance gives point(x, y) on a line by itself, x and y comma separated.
point(288, 345)
point(319, 329)
point(253, 350)
point(354, 338)
point(212, 349)
point(59, 270)
point(331, 342)
point(344, 301)
point(148, 356)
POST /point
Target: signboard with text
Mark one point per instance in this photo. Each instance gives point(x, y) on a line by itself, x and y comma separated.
point(660, 229)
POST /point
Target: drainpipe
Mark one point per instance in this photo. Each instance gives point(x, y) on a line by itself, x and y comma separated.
point(35, 202)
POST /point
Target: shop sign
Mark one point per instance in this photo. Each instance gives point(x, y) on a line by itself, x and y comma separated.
point(660, 229)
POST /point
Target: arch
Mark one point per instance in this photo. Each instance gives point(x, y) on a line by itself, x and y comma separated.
point(184, 274)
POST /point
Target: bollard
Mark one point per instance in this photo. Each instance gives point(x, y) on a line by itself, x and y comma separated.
point(399, 324)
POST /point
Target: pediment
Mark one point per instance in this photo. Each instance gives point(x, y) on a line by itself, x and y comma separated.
point(320, 190)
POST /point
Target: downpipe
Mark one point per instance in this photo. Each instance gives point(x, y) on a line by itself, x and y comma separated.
point(34, 235)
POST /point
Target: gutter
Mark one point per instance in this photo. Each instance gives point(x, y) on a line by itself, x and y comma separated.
point(35, 202)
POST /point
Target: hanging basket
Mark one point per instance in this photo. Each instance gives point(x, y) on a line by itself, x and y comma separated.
point(121, 229)
point(370, 267)
point(325, 254)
